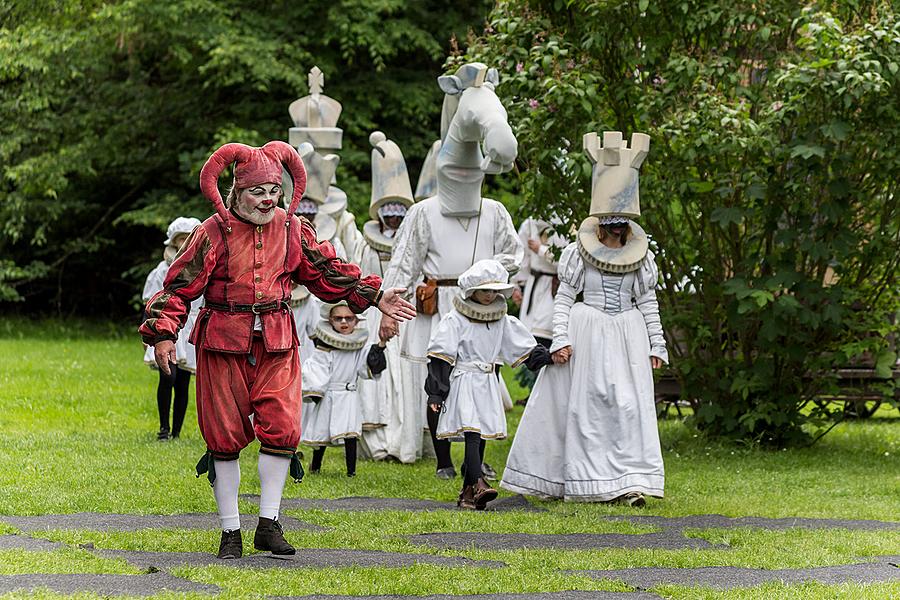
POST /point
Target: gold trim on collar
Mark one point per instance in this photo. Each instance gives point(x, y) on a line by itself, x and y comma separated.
point(470, 309)
point(614, 260)
point(355, 340)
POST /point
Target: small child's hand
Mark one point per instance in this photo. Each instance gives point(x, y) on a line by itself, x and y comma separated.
point(435, 407)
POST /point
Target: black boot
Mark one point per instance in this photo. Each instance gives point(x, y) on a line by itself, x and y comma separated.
point(232, 545)
point(270, 536)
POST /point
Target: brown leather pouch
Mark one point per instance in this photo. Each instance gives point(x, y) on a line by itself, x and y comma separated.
point(427, 298)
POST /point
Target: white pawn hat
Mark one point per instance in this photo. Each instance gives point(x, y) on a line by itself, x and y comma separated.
point(390, 178)
point(487, 274)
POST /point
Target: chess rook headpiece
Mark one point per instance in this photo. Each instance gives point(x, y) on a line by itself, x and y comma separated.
point(615, 178)
point(252, 166)
point(390, 179)
point(315, 117)
point(614, 193)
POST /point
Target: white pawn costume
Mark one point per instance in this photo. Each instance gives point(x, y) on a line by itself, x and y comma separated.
point(445, 234)
point(185, 352)
point(383, 409)
point(537, 276)
point(589, 431)
point(473, 339)
point(332, 408)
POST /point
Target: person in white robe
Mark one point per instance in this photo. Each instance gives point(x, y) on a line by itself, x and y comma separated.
point(383, 410)
point(305, 307)
point(473, 338)
point(173, 391)
point(332, 412)
point(445, 234)
point(589, 431)
point(536, 279)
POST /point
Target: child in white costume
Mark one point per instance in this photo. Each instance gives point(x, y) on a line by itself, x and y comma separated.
point(332, 411)
point(589, 431)
point(180, 381)
point(470, 341)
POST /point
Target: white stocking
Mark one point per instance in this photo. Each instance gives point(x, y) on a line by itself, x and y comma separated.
point(273, 471)
point(225, 488)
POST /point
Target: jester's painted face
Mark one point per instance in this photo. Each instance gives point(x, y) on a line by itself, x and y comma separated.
point(257, 204)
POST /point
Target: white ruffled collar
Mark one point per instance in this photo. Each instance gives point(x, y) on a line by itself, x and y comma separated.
point(614, 260)
point(354, 340)
point(468, 308)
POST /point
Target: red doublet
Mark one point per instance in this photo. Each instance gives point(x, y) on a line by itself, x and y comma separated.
point(240, 372)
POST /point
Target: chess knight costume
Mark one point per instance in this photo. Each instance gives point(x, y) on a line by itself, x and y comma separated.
point(247, 356)
point(445, 234)
point(589, 432)
point(383, 410)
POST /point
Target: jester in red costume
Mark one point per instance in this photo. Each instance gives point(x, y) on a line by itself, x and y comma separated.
point(244, 261)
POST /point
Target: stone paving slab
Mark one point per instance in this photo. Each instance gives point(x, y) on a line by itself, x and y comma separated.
point(316, 558)
point(114, 522)
point(104, 585)
point(721, 521)
point(571, 541)
point(24, 542)
point(567, 595)
point(366, 503)
point(881, 569)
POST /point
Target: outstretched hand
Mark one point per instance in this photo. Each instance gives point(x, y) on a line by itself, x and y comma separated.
point(394, 306)
point(164, 352)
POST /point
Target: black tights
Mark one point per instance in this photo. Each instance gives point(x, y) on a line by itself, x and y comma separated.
point(180, 381)
point(349, 457)
point(471, 468)
point(441, 447)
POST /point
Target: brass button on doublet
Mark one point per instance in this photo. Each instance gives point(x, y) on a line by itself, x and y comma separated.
point(257, 279)
point(259, 228)
point(258, 245)
point(258, 295)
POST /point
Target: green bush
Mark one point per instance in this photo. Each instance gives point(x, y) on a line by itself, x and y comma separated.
point(770, 190)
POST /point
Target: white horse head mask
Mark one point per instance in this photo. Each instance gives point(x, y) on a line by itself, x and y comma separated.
point(476, 136)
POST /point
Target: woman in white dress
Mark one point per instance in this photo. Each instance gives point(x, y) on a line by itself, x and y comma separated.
point(332, 411)
point(180, 380)
point(589, 432)
point(470, 341)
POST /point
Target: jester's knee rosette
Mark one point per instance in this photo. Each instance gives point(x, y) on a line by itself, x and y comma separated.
point(615, 198)
point(207, 463)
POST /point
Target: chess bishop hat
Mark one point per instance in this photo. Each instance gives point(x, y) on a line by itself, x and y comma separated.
point(315, 117)
point(390, 179)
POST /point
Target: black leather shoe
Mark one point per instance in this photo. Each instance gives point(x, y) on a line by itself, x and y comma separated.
point(232, 545)
point(270, 536)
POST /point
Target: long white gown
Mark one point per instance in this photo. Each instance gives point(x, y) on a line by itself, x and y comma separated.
point(383, 409)
point(474, 402)
point(589, 431)
point(536, 275)
point(432, 245)
point(185, 353)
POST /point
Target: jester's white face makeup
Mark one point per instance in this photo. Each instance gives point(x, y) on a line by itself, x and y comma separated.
point(257, 204)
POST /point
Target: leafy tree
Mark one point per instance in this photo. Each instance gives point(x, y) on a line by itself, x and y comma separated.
point(771, 189)
point(109, 108)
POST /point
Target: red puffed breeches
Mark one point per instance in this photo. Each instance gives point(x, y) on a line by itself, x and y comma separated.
point(232, 387)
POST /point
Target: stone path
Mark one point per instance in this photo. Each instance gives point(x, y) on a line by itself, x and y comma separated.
point(571, 541)
point(305, 558)
point(882, 569)
point(721, 521)
point(104, 585)
point(113, 522)
point(366, 503)
point(159, 565)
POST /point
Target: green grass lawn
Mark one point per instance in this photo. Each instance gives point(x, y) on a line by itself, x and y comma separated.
point(78, 434)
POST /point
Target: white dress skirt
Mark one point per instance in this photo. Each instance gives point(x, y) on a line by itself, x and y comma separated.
point(474, 403)
point(589, 431)
point(332, 410)
point(185, 353)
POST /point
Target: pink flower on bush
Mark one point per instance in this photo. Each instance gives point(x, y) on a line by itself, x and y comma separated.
point(519, 67)
point(533, 104)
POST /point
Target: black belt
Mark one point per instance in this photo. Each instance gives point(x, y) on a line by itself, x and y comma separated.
point(256, 308)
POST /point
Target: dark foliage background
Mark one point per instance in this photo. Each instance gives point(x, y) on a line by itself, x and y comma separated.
point(108, 110)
